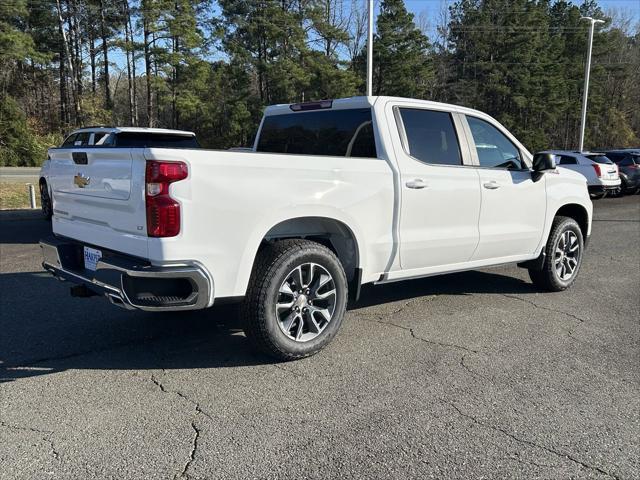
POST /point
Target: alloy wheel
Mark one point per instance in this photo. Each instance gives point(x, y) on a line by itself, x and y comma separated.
point(567, 255)
point(306, 302)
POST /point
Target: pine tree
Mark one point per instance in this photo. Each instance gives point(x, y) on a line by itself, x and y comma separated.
point(401, 54)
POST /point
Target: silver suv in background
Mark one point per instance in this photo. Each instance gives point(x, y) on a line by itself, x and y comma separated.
point(112, 137)
point(601, 173)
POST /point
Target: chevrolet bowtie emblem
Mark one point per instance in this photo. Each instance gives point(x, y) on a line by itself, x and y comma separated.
point(81, 181)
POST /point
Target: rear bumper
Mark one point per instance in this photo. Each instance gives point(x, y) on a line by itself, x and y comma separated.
point(130, 282)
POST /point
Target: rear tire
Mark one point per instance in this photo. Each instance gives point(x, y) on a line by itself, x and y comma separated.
point(563, 257)
point(296, 299)
point(45, 201)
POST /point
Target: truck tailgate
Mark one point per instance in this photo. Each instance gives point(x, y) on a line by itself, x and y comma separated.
point(98, 197)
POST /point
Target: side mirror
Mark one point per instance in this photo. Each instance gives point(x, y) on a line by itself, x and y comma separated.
point(543, 162)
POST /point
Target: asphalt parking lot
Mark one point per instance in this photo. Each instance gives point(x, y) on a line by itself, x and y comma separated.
point(472, 375)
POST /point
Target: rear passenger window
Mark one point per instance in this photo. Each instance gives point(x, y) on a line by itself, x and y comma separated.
point(494, 149)
point(431, 136)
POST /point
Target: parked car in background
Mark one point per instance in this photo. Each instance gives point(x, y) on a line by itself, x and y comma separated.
point(628, 162)
point(601, 173)
point(111, 137)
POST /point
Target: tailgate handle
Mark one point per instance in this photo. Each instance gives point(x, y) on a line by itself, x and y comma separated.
point(79, 158)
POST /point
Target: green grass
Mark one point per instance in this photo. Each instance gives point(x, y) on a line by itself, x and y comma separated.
point(15, 195)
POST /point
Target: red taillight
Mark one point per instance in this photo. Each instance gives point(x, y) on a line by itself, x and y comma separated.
point(596, 167)
point(163, 212)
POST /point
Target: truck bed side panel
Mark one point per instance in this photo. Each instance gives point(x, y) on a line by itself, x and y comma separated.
point(232, 199)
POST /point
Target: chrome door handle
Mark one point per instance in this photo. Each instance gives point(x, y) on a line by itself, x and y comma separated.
point(416, 184)
point(492, 185)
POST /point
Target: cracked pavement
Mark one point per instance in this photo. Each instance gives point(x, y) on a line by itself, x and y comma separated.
point(471, 375)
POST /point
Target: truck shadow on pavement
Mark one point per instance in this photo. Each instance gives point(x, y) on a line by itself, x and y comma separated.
point(43, 330)
point(22, 227)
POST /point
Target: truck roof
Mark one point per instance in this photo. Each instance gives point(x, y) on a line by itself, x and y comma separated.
point(360, 102)
point(134, 130)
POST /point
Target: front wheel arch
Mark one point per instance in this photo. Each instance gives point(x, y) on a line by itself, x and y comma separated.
point(578, 213)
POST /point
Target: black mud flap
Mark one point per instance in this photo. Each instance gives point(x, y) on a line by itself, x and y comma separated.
point(535, 264)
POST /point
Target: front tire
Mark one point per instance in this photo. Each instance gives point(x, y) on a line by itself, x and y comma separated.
point(563, 257)
point(296, 299)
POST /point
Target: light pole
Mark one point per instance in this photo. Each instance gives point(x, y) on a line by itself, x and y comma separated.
point(587, 70)
point(370, 51)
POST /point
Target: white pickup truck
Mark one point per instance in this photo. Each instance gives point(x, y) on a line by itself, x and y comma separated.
point(334, 194)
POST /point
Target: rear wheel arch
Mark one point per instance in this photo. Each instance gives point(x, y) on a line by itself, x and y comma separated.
point(330, 232)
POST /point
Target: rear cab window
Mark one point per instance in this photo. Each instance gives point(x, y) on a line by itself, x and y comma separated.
point(339, 133)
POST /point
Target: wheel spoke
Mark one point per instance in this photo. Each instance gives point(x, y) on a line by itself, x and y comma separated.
point(286, 289)
point(300, 329)
point(567, 267)
point(574, 244)
point(322, 311)
point(313, 321)
point(297, 277)
point(311, 273)
point(324, 279)
point(288, 323)
point(285, 306)
point(322, 296)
